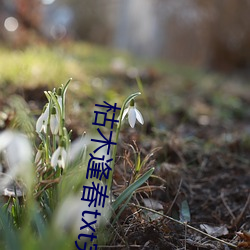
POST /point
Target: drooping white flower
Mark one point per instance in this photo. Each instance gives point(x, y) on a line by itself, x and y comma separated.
point(69, 214)
point(59, 157)
point(42, 122)
point(78, 149)
point(54, 121)
point(39, 154)
point(17, 152)
point(133, 114)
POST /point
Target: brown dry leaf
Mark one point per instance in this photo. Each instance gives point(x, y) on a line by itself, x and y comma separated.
point(245, 236)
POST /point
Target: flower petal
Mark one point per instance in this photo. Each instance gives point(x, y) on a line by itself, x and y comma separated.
point(18, 156)
point(63, 158)
point(124, 113)
point(39, 123)
point(42, 121)
point(44, 127)
point(54, 124)
point(5, 138)
point(139, 116)
point(46, 113)
point(55, 156)
point(132, 117)
point(19, 151)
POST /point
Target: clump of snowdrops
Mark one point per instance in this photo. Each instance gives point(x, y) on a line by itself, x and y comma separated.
point(50, 170)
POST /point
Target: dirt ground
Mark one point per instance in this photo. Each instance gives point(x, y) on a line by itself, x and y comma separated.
point(202, 172)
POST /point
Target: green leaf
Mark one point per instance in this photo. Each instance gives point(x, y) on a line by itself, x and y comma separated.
point(39, 222)
point(10, 236)
point(122, 209)
point(128, 191)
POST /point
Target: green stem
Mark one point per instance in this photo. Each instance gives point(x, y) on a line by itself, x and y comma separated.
point(54, 142)
point(65, 87)
point(109, 183)
point(52, 95)
point(47, 140)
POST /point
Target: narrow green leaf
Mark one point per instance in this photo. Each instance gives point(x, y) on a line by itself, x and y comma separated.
point(10, 236)
point(39, 222)
point(138, 163)
point(65, 87)
point(128, 191)
point(122, 209)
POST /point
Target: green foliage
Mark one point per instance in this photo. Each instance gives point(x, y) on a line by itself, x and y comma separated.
point(132, 188)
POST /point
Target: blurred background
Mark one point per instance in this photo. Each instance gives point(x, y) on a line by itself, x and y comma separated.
point(211, 34)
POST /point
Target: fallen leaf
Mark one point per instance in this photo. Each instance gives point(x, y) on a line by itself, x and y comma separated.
point(155, 205)
point(215, 231)
point(245, 236)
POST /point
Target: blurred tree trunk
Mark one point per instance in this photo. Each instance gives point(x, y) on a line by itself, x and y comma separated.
point(28, 14)
point(229, 34)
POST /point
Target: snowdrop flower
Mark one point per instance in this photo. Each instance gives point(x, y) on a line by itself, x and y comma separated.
point(17, 152)
point(42, 122)
point(69, 214)
point(39, 154)
point(54, 121)
point(133, 114)
point(59, 157)
point(78, 149)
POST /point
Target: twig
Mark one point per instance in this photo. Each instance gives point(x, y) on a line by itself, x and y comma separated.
point(185, 242)
point(184, 224)
point(119, 246)
point(237, 220)
point(173, 202)
point(227, 207)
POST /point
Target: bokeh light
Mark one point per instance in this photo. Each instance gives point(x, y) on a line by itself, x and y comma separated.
point(48, 2)
point(11, 24)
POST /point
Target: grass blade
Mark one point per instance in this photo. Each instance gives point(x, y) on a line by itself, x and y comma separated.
point(128, 191)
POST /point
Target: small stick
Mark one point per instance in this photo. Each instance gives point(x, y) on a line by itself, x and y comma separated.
point(227, 207)
point(173, 202)
point(119, 246)
point(239, 217)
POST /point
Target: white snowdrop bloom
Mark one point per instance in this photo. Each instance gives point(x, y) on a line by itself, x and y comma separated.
point(54, 121)
point(42, 122)
point(78, 148)
point(59, 157)
point(69, 214)
point(17, 152)
point(133, 114)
